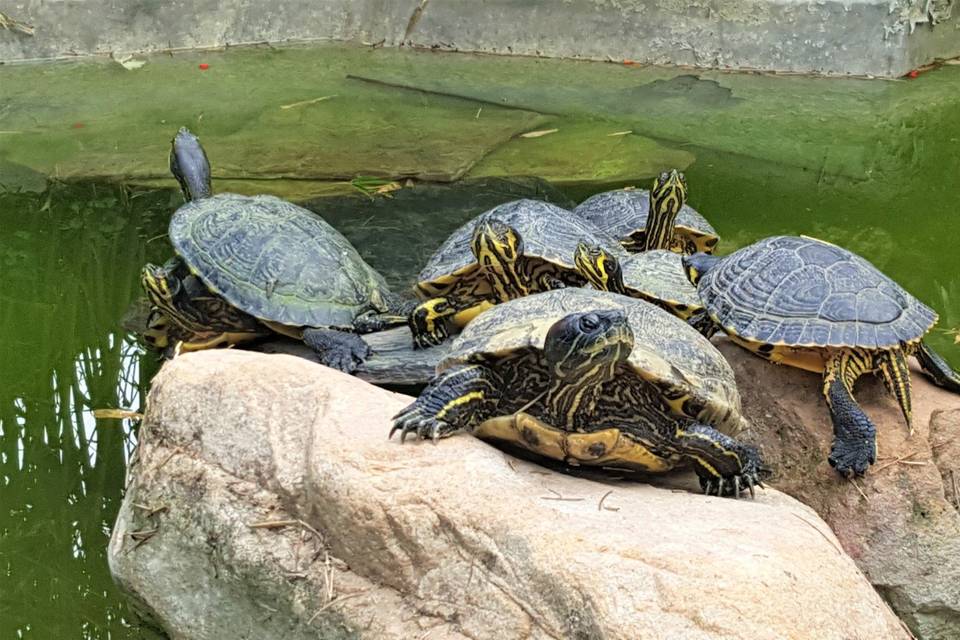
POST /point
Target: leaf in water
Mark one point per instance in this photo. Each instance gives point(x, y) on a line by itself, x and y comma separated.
point(117, 414)
point(387, 188)
point(303, 103)
point(370, 186)
point(537, 134)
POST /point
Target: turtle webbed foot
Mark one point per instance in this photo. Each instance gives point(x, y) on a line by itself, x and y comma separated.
point(460, 397)
point(418, 420)
point(852, 456)
point(337, 349)
point(428, 322)
point(854, 446)
point(372, 322)
point(726, 467)
point(749, 476)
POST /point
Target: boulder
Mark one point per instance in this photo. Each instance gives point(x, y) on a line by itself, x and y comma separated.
point(265, 500)
point(900, 522)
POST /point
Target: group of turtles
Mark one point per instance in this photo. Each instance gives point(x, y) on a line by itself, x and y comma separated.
point(584, 335)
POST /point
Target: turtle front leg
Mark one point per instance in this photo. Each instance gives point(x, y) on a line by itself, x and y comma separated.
point(725, 466)
point(339, 350)
point(549, 282)
point(937, 369)
point(459, 398)
point(373, 321)
point(854, 446)
point(397, 314)
point(430, 321)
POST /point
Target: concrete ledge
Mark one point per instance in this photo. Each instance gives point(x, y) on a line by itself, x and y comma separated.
point(872, 37)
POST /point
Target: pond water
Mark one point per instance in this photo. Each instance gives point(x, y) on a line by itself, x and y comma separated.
point(69, 261)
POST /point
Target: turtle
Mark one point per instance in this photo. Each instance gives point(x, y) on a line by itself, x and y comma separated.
point(515, 249)
point(625, 214)
point(656, 276)
point(246, 266)
point(817, 306)
point(590, 377)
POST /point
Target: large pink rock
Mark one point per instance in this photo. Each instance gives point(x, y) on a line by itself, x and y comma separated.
point(899, 522)
point(266, 499)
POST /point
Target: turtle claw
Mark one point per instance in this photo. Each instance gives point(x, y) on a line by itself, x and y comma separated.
point(428, 323)
point(433, 339)
point(852, 458)
point(413, 421)
point(733, 485)
point(337, 349)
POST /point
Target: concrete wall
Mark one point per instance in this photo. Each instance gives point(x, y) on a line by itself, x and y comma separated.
point(866, 37)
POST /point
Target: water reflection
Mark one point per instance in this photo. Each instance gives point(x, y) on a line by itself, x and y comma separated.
point(68, 272)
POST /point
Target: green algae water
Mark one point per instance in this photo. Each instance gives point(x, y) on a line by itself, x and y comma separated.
point(874, 167)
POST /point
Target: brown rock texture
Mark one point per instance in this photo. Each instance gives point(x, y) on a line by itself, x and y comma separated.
point(266, 501)
point(900, 522)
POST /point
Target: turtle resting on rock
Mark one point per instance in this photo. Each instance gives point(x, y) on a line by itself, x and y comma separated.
point(591, 378)
point(247, 266)
point(656, 274)
point(642, 219)
point(513, 250)
point(814, 305)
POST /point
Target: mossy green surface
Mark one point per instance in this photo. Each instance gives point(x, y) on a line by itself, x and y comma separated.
point(294, 113)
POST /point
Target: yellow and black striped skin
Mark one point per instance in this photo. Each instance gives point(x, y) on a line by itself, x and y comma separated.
point(655, 276)
point(513, 250)
point(502, 271)
point(667, 197)
point(581, 399)
point(624, 214)
point(190, 314)
point(685, 240)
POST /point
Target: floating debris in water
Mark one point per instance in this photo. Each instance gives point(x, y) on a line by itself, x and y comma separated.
point(537, 134)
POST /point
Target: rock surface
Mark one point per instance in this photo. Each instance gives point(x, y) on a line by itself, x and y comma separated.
point(900, 522)
point(266, 501)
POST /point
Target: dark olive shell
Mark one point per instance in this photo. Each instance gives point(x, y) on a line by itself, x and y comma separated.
point(276, 261)
point(805, 292)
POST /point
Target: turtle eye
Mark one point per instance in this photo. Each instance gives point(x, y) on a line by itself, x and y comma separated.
point(589, 322)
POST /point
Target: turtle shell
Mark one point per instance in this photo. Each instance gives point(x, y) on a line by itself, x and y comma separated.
point(548, 232)
point(804, 292)
point(623, 214)
point(659, 274)
point(276, 261)
point(667, 351)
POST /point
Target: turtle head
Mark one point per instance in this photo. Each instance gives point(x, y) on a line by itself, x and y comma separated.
point(161, 288)
point(495, 243)
point(697, 266)
point(586, 347)
point(600, 267)
point(667, 197)
point(189, 165)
